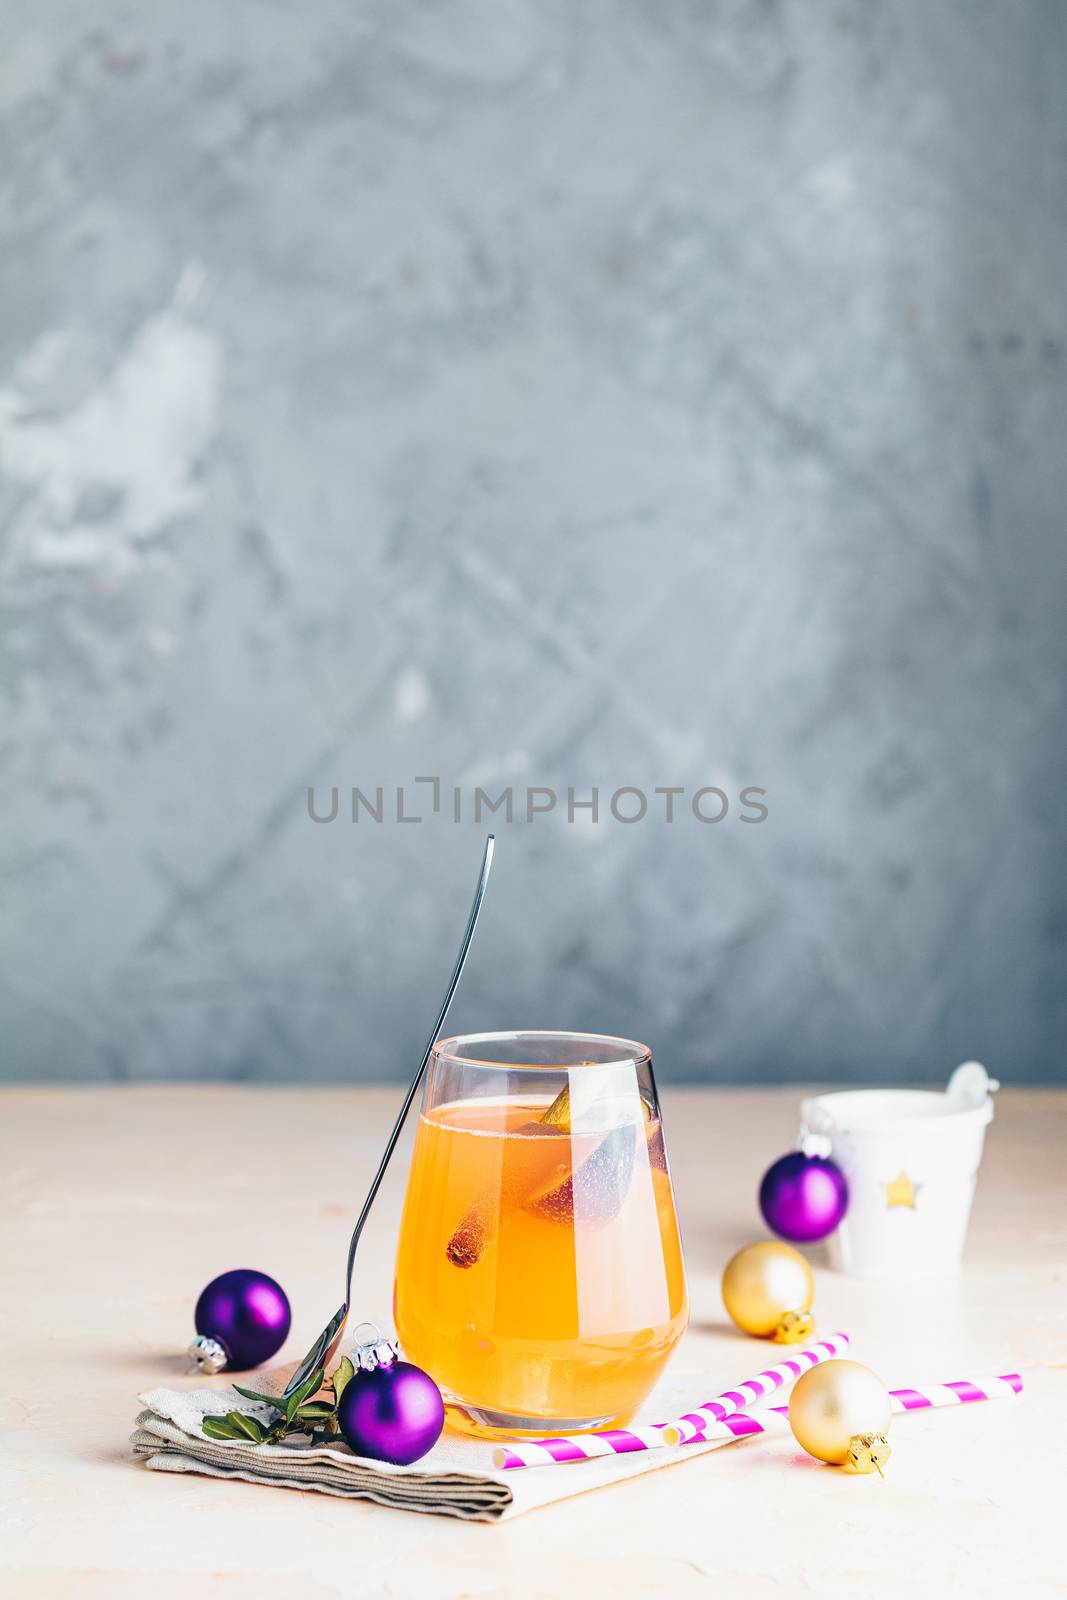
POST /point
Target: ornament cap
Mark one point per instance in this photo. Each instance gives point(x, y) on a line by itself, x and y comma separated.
point(794, 1327)
point(377, 1351)
point(869, 1452)
point(208, 1354)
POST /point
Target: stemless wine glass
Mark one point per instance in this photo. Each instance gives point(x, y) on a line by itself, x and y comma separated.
point(539, 1273)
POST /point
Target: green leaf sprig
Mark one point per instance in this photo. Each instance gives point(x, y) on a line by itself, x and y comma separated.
point(301, 1415)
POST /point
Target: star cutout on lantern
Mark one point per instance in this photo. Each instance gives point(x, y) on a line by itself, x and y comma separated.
point(900, 1191)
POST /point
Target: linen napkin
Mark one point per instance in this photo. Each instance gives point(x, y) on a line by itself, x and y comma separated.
point(457, 1478)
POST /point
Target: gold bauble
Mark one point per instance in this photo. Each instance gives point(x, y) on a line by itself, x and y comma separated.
point(840, 1413)
point(767, 1290)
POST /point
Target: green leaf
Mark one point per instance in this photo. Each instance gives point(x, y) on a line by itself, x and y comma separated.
point(314, 1411)
point(342, 1377)
point(311, 1386)
point(268, 1399)
point(219, 1428)
point(246, 1426)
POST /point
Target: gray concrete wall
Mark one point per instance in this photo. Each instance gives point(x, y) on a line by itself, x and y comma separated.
point(534, 393)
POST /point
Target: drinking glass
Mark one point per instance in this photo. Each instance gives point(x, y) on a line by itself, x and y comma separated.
point(539, 1273)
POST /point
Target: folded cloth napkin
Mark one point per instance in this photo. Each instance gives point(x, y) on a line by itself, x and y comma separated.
point(457, 1478)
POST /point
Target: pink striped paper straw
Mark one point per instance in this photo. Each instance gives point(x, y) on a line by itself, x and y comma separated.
point(773, 1421)
point(583, 1447)
point(694, 1423)
point(622, 1441)
point(963, 1391)
point(960, 1393)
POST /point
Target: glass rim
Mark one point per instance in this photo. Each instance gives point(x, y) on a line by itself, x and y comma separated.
point(631, 1052)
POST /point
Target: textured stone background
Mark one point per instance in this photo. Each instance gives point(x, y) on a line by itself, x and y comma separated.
point(526, 391)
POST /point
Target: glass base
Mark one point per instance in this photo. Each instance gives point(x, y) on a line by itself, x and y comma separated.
point(480, 1422)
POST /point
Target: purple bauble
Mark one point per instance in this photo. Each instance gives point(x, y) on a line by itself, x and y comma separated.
point(393, 1413)
point(803, 1198)
point(242, 1318)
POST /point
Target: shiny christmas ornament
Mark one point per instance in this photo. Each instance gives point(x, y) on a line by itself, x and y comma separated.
point(767, 1290)
point(839, 1412)
point(389, 1410)
point(803, 1197)
point(242, 1318)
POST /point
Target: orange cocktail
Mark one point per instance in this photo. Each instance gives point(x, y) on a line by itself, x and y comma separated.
point(539, 1273)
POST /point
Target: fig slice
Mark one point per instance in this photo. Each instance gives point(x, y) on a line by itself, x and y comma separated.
point(599, 1183)
point(478, 1223)
point(597, 1187)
